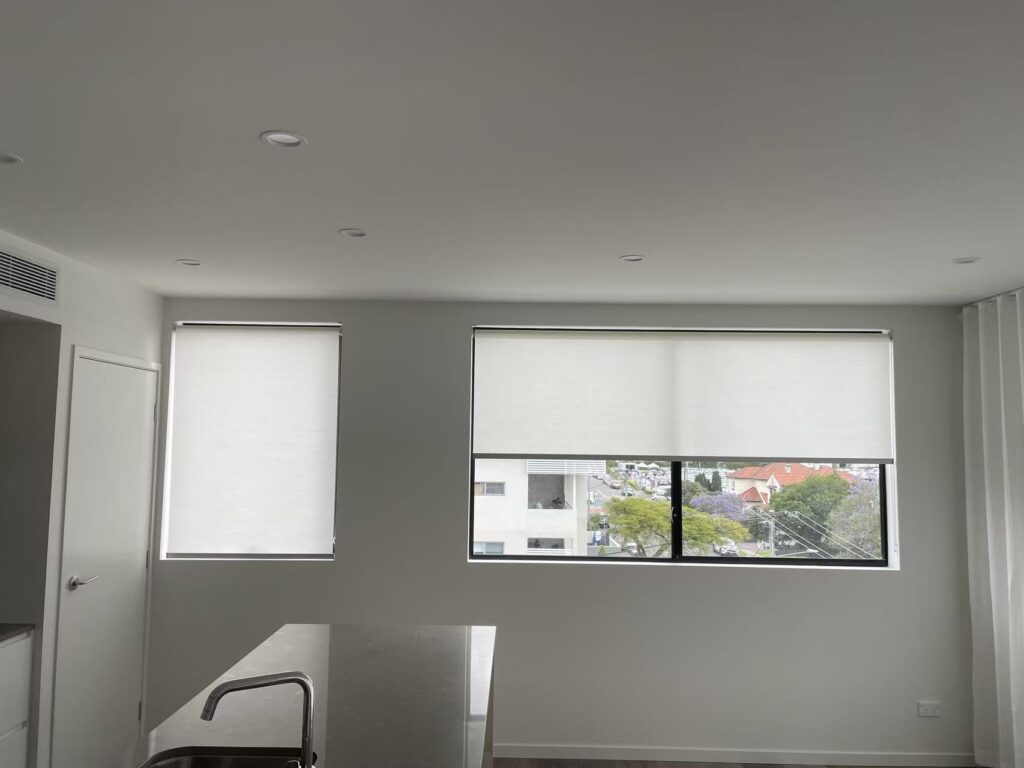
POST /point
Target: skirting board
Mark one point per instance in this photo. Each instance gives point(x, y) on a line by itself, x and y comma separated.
point(707, 755)
point(990, 759)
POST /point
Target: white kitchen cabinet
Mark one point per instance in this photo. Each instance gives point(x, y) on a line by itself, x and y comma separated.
point(15, 676)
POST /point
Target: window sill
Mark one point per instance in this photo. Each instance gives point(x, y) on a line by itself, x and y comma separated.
point(892, 565)
point(266, 558)
point(533, 555)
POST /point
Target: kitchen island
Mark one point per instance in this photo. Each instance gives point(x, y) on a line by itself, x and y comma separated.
point(385, 697)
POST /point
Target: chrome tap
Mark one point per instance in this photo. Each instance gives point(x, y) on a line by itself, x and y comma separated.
point(262, 681)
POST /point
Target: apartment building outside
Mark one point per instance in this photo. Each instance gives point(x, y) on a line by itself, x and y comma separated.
point(532, 506)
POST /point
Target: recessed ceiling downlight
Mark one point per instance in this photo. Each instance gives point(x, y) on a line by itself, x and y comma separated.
point(7, 158)
point(967, 260)
point(631, 258)
point(285, 139)
point(188, 262)
point(352, 232)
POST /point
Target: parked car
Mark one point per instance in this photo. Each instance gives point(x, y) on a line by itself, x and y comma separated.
point(615, 484)
point(728, 549)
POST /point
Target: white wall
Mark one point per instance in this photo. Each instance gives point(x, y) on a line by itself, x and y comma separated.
point(99, 311)
point(611, 660)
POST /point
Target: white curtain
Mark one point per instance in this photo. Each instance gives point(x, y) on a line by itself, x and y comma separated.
point(994, 457)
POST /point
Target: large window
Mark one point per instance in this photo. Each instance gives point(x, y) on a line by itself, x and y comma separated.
point(252, 441)
point(661, 445)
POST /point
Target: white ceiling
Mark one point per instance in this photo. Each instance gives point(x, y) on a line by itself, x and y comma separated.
point(754, 151)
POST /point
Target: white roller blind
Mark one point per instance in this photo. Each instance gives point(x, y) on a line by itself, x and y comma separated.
point(756, 395)
point(253, 456)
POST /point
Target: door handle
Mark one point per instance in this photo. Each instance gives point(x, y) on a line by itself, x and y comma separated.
point(74, 582)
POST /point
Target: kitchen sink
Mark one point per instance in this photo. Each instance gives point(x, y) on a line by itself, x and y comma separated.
point(225, 757)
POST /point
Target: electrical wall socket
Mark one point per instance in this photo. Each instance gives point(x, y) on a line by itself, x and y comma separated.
point(929, 708)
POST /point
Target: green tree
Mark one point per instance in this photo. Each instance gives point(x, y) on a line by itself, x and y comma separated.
point(804, 509)
point(642, 522)
point(716, 482)
point(857, 521)
point(726, 528)
point(702, 480)
point(691, 490)
point(698, 530)
point(648, 525)
point(701, 530)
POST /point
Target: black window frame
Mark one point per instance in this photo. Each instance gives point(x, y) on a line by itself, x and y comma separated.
point(677, 557)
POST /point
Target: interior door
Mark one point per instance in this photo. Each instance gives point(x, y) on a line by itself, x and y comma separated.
point(107, 510)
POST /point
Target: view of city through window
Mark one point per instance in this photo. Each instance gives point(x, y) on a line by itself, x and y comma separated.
point(622, 509)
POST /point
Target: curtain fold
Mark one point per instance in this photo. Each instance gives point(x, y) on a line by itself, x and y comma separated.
point(994, 470)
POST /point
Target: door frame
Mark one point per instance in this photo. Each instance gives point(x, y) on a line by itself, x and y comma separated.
point(78, 353)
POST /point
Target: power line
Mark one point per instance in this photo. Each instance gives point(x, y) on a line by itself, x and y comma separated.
point(800, 539)
point(820, 531)
point(795, 536)
point(814, 525)
point(852, 549)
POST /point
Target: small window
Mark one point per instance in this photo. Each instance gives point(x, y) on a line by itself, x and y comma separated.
point(546, 544)
point(488, 547)
point(489, 489)
point(252, 441)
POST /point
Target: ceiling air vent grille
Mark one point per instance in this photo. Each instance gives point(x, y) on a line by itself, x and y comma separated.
point(26, 276)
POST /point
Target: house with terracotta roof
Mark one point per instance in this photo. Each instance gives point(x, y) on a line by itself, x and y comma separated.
point(756, 485)
point(755, 497)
